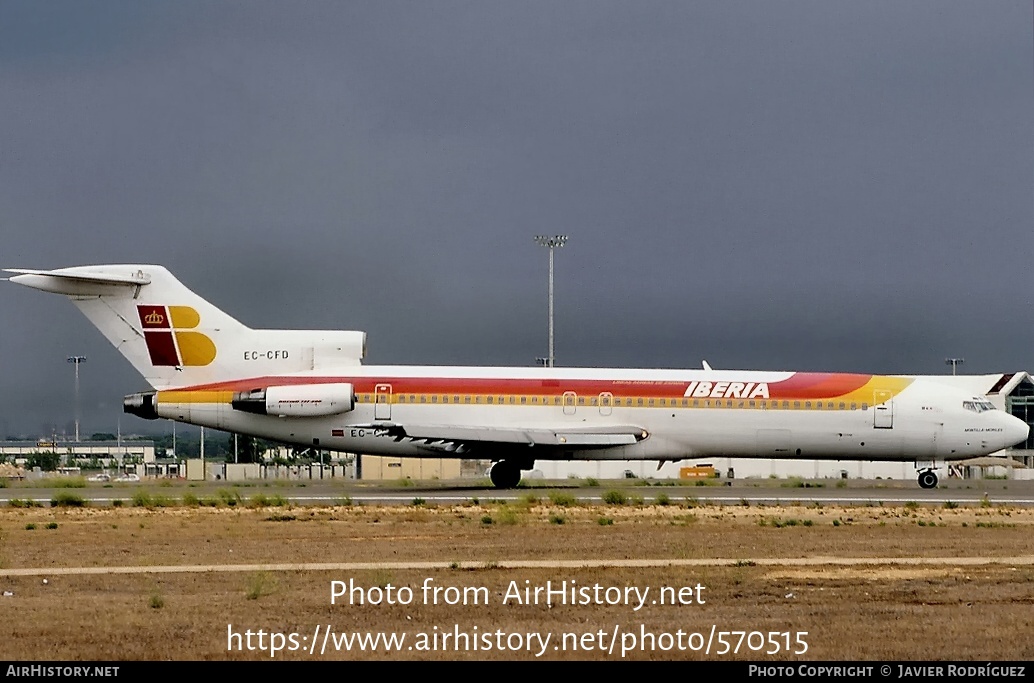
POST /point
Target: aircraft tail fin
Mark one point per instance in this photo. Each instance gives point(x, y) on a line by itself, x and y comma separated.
point(173, 337)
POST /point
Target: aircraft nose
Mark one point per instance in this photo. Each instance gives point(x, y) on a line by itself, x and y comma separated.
point(1016, 430)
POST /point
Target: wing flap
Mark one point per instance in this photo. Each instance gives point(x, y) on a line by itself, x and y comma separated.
point(598, 437)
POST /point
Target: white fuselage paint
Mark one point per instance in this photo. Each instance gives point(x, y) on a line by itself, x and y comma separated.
point(929, 421)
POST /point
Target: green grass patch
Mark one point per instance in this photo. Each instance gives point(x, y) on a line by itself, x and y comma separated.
point(145, 499)
point(264, 500)
point(65, 482)
point(780, 523)
point(614, 497)
point(24, 503)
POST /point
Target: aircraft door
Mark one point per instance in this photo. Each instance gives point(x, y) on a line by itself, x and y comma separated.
point(883, 410)
point(382, 402)
point(606, 403)
point(570, 402)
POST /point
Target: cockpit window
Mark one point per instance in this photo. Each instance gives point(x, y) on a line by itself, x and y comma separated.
point(978, 405)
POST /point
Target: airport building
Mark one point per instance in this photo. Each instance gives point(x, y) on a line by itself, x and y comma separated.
point(74, 453)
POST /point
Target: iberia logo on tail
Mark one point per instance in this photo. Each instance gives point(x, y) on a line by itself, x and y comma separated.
point(170, 341)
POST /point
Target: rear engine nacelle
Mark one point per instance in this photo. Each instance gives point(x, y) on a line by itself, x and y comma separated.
point(141, 405)
point(309, 400)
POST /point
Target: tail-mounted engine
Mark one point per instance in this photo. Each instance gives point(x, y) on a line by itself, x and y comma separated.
point(309, 400)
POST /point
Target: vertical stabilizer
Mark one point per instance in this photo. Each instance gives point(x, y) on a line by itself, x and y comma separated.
point(173, 337)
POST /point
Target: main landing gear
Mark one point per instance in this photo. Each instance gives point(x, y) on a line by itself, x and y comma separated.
point(506, 474)
point(928, 479)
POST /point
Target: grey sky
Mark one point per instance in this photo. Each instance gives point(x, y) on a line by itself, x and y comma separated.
point(773, 185)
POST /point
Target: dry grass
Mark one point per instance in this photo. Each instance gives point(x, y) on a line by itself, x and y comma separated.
point(866, 611)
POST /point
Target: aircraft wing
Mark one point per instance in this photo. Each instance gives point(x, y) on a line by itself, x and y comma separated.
point(459, 438)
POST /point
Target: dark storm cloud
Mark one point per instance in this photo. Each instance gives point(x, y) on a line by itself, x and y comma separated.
point(794, 185)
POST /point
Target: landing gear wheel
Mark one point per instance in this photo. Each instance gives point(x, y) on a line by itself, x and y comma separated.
point(928, 479)
point(505, 475)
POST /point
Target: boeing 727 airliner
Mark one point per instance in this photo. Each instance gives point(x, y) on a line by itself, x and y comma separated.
point(309, 388)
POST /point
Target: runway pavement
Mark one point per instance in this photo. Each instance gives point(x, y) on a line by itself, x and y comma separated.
point(738, 492)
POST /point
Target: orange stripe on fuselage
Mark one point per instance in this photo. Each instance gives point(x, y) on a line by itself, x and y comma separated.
point(800, 386)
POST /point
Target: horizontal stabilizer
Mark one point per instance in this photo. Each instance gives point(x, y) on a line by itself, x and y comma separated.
point(81, 280)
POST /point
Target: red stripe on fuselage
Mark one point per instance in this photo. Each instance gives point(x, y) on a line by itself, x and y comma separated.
point(799, 385)
point(807, 385)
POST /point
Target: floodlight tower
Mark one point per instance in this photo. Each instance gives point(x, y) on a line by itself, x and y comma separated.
point(77, 361)
point(954, 363)
point(551, 243)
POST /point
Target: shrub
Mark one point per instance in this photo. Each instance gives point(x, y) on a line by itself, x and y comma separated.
point(229, 497)
point(605, 521)
point(260, 500)
point(51, 525)
point(509, 515)
point(561, 499)
point(67, 499)
point(614, 497)
point(556, 519)
point(260, 584)
point(156, 601)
